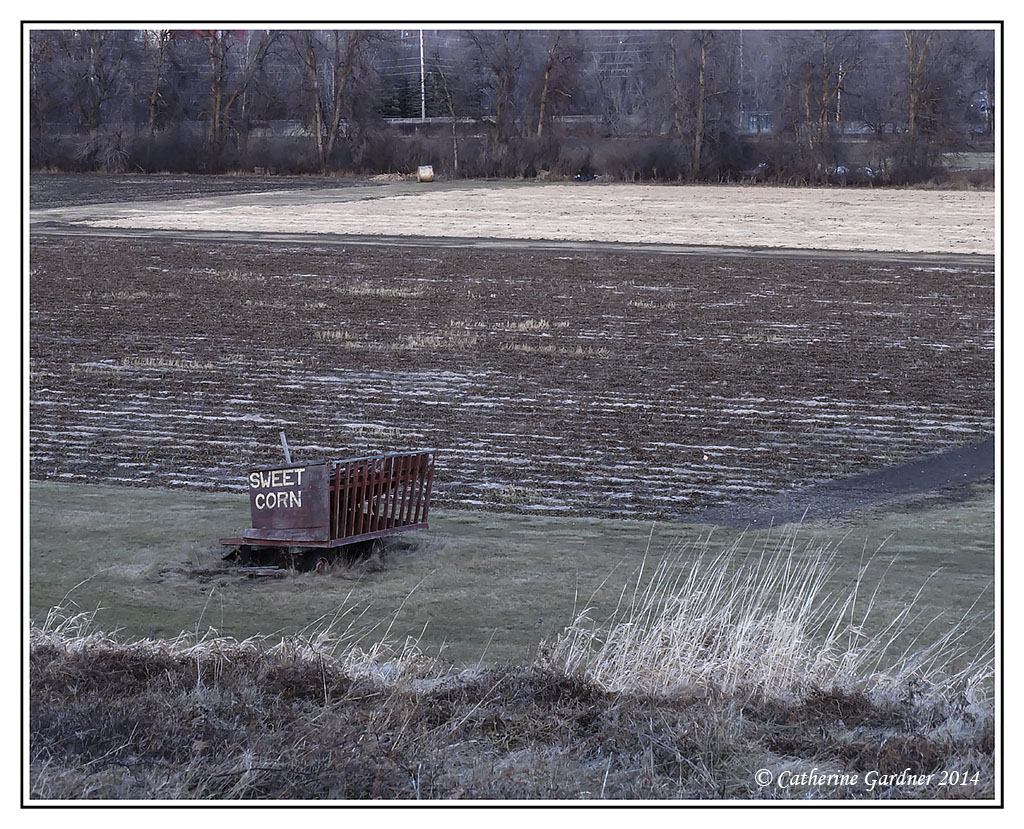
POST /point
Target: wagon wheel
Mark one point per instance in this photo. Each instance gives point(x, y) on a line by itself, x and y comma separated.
point(312, 560)
point(241, 555)
point(378, 550)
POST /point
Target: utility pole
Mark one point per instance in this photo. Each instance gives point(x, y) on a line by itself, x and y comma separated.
point(839, 93)
point(423, 84)
point(741, 124)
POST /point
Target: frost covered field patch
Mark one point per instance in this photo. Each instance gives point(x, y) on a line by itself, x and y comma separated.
point(828, 219)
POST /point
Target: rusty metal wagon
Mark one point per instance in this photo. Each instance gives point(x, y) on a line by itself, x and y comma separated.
point(312, 512)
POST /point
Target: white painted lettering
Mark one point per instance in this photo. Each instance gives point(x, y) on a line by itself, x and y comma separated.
point(277, 481)
point(285, 499)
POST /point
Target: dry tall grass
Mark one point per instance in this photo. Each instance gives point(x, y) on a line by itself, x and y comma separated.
point(703, 675)
point(772, 625)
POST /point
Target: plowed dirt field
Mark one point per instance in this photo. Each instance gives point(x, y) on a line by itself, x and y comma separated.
point(591, 382)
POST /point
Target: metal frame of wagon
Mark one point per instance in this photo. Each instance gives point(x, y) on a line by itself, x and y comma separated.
point(368, 497)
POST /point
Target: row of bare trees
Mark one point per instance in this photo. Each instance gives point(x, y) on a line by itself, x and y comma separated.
point(683, 104)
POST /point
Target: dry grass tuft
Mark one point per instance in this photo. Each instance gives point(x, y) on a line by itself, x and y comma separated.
point(125, 295)
point(559, 350)
point(528, 325)
point(455, 340)
point(377, 432)
point(447, 341)
point(332, 335)
point(769, 625)
point(650, 305)
point(366, 289)
point(166, 362)
point(515, 494)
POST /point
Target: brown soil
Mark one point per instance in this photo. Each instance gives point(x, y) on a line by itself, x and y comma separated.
point(67, 190)
point(595, 382)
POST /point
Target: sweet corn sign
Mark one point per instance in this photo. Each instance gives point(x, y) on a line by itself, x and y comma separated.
point(275, 488)
point(289, 499)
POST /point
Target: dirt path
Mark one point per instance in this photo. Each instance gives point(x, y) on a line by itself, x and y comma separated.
point(948, 475)
point(321, 240)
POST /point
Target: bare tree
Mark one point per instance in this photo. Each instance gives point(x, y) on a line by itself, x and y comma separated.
point(42, 60)
point(500, 54)
point(698, 82)
point(713, 83)
point(621, 82)
point(160, 44)
point(448, 96)
point(817, 70)
point(676, 88)
point(561, 53)
point(92, 75)
point(93, 84)
point(227, 82)
point(919, 103)
point(340, 54)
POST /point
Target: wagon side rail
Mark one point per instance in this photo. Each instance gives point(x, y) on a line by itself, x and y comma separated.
point(377, 496)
